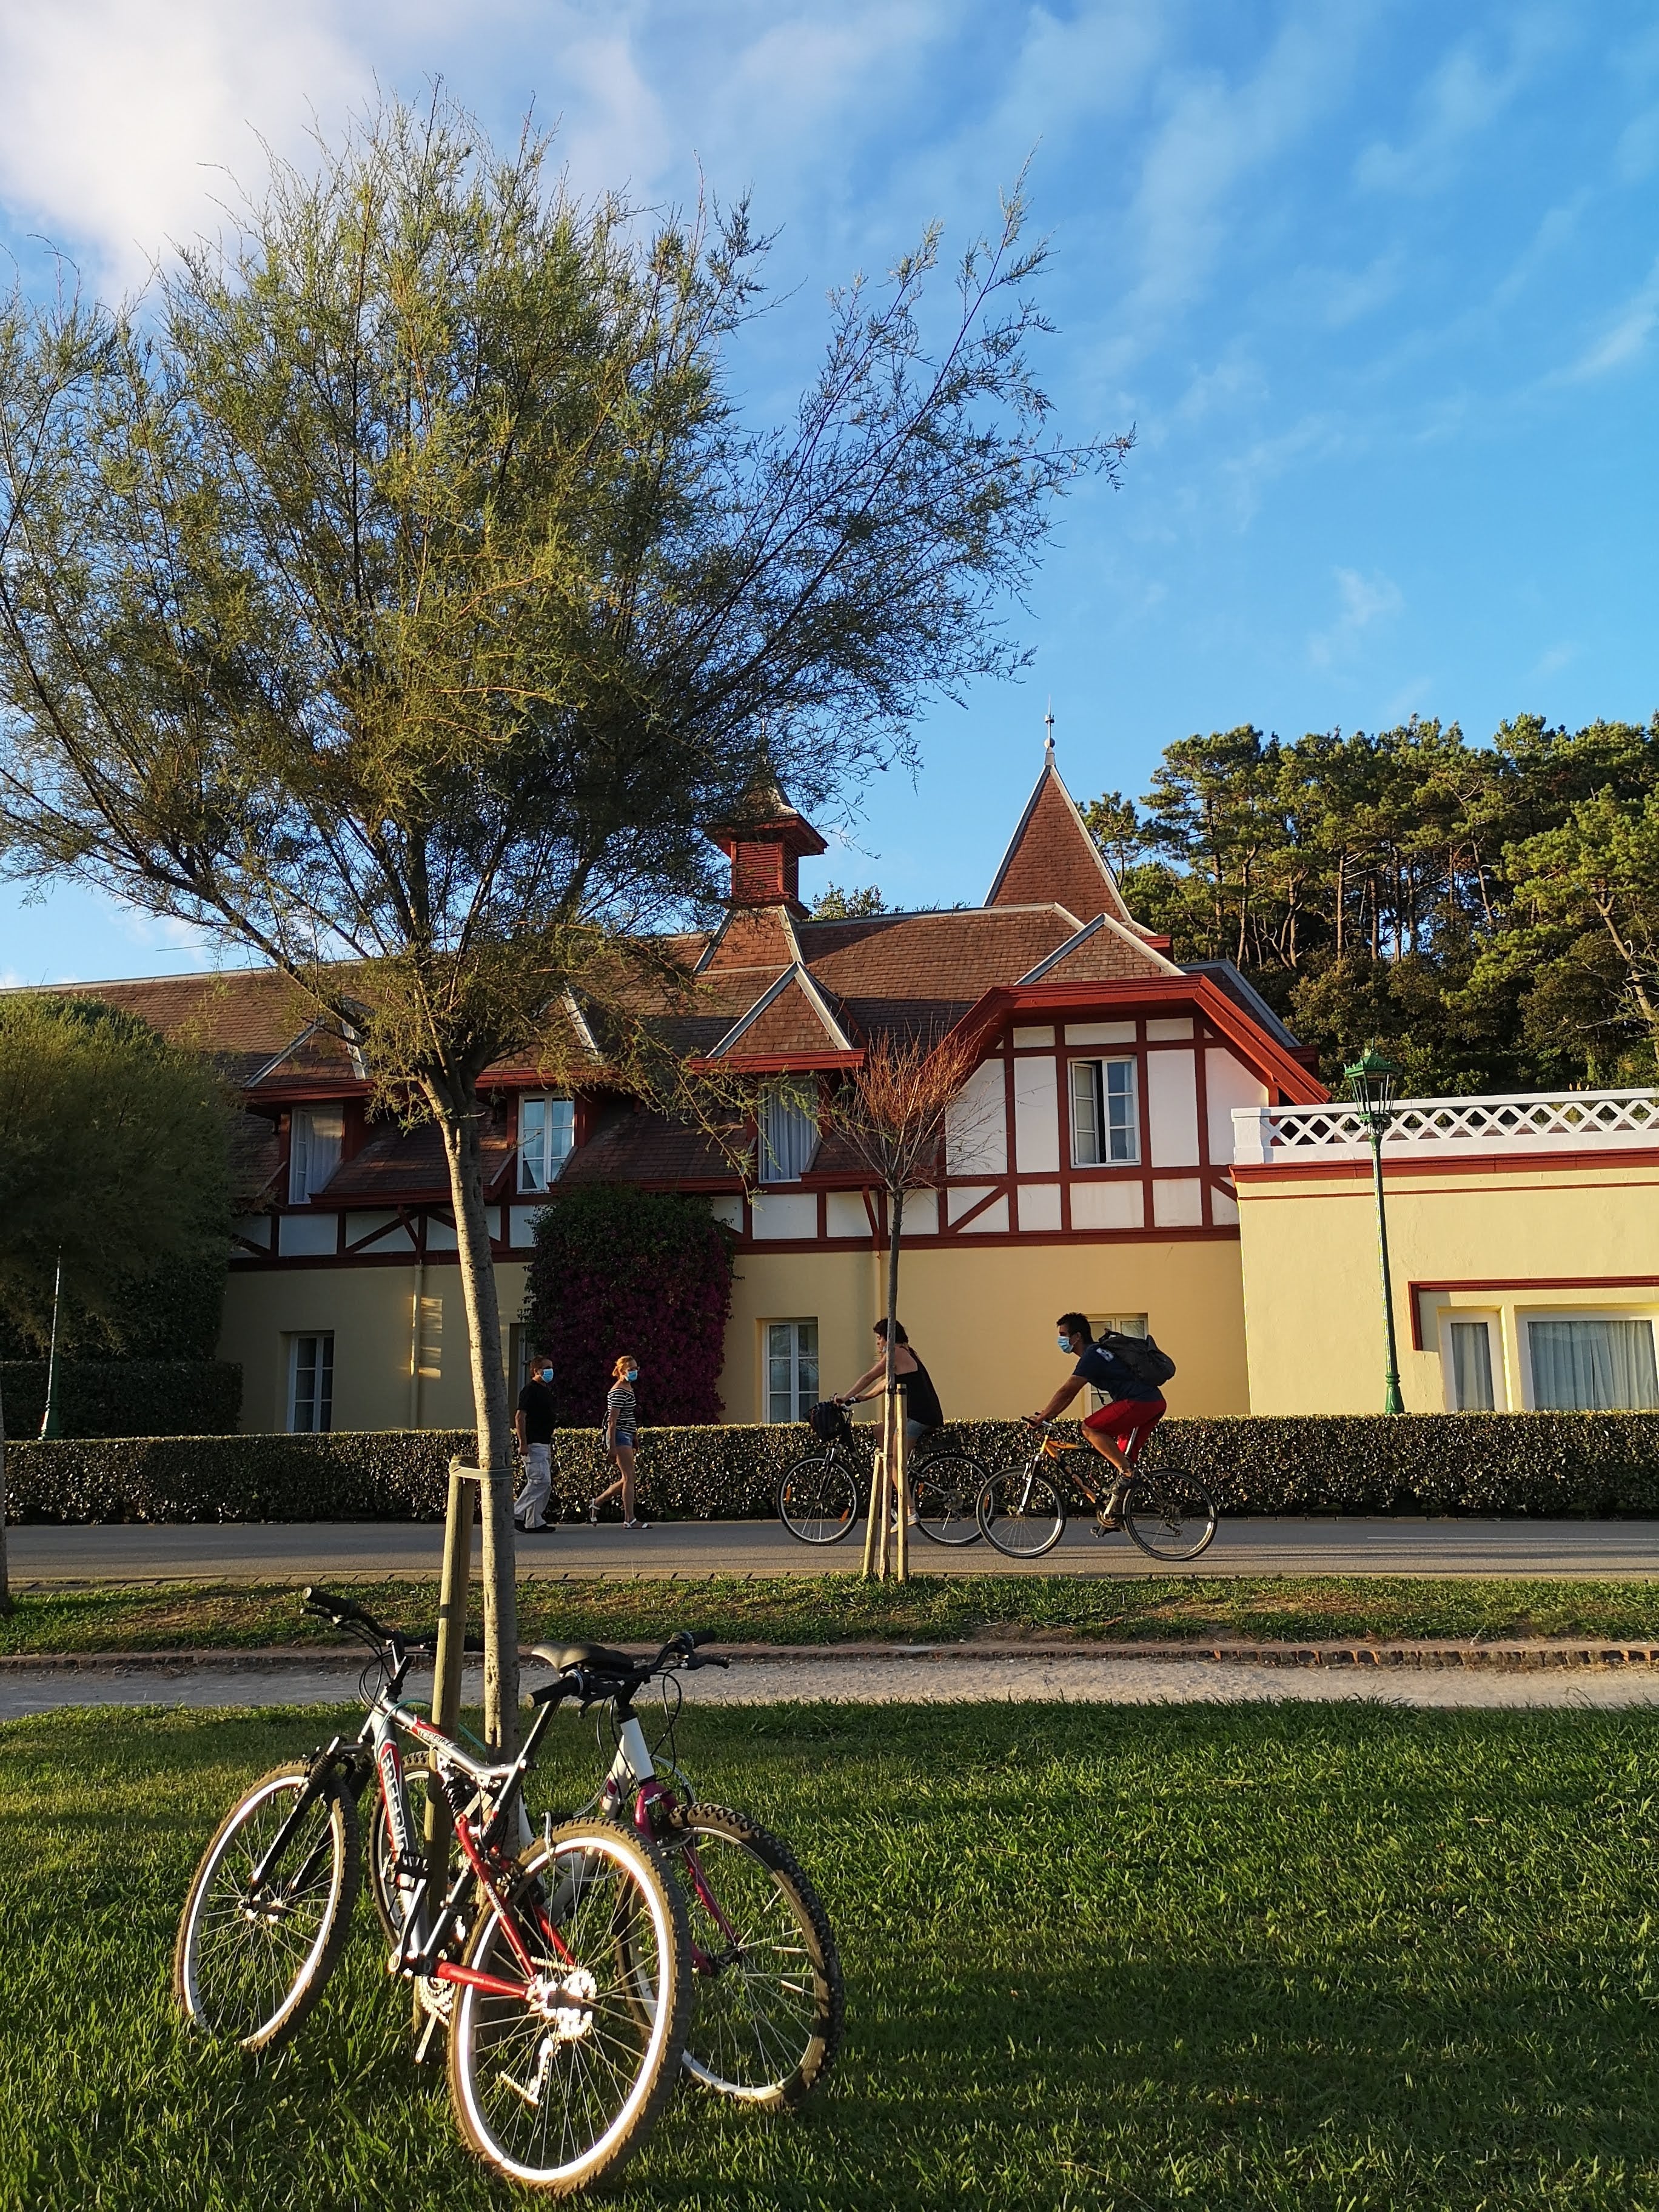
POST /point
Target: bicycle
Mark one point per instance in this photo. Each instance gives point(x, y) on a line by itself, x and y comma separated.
point(535, 1962)
point(767, 2005)
point(1165, 1510)
point(822, 1496)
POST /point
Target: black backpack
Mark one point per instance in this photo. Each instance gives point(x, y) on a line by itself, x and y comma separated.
point(1140, 1355)
point(829, 1423)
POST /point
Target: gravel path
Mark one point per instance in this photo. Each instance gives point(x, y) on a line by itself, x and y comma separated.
point(942, 1679)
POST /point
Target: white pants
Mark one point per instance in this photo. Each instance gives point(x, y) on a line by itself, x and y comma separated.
point(531, 1504)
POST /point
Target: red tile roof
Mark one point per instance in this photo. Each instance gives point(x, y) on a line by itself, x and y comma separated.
point(1052, 856)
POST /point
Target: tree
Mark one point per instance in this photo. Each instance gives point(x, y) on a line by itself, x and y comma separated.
point(834, 904)
point(114, 1159)
point(397, 594)
point(890, 1115)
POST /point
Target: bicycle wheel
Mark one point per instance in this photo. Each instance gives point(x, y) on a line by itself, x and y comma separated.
point(946, 1486)
point(818, 1500)
point(249, 1964)
point(767, 2005)
point(1022, 1513)
point(1169, 1513)
point(559, 2082)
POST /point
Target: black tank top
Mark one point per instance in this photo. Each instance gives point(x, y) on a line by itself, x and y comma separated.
point(920, 1399)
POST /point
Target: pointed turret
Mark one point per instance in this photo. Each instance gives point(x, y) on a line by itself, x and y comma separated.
point(1051, 859)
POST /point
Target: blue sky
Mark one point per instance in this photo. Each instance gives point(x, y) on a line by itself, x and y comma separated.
point(1377, 287)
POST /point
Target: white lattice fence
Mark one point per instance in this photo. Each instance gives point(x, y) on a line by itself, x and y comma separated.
point(1534, 1122)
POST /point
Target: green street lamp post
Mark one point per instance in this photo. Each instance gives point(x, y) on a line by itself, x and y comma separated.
point(1373, 1082)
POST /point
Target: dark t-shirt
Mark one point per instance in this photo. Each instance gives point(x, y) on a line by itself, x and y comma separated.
point(535, 1404)
point(921, 1399)
point(1112, 1377)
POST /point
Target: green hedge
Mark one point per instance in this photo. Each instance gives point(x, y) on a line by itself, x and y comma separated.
point(125, 1397)
point(1548, 1465)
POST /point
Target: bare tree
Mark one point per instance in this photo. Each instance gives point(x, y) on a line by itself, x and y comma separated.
point(891, 1114)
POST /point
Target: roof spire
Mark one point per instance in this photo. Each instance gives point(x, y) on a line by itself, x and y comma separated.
point(1048, 723)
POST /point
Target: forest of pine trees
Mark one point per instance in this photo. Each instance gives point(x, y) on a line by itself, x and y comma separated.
point(1490, 914)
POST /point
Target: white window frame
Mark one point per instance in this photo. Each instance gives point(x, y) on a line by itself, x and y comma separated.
point(1126, 1325)
point(1104, 1093)
point(1527, 1314)
point(797, 1126)
point(323, 1339)
point(801, 1395)
point(313, 1154)
point(1452, 1317)
point(544, 1150)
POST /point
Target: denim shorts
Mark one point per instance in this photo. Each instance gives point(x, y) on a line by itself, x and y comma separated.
point(624, 1439)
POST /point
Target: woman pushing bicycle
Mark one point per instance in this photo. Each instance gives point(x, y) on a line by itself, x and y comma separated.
point(1134, 1406)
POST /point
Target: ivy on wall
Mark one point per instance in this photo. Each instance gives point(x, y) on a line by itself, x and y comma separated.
point(618, 1269)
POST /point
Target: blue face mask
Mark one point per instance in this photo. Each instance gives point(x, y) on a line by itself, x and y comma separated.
point(547, 1374)
point(633, 1374)
point(1064, 1342)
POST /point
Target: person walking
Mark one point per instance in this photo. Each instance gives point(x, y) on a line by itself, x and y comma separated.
point(621, 1434)
point(923, 1414)
point(532, 1425)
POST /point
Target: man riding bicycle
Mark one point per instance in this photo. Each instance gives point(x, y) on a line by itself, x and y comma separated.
point(1120, 1429)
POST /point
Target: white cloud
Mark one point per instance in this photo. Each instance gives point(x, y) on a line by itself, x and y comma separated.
point(1364, 601)
point(1463, 96)
point(1624, 339)
point(1552, 662)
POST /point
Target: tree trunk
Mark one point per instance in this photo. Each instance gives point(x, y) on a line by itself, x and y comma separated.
point(895, 1410)
point(459, 1119)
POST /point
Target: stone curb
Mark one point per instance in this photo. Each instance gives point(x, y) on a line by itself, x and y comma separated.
point(1539, 1653)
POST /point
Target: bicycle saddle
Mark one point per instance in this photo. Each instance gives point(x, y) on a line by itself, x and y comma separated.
point(597, 1658)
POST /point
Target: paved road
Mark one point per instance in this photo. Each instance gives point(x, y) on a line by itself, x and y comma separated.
point(947, 1680)
point(293, 1552)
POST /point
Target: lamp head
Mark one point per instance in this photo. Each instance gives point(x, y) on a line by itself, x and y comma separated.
point(1373, 1082)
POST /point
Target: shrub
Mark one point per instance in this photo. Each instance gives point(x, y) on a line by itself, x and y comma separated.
point(1548, 1465)
point(125, 1398)
point(618, 1269)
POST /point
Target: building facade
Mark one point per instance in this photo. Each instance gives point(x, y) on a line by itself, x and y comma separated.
point(1088, 1163)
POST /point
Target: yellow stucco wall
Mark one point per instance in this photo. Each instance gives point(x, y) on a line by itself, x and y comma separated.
point(1312, 1293)
point(982, 1318)
point(371, 1311)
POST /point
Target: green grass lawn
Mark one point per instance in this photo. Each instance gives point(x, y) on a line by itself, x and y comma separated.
point(834, 1608)
point(1361, 1960)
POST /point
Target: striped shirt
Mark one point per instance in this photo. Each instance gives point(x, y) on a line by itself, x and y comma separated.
point(621, 1403)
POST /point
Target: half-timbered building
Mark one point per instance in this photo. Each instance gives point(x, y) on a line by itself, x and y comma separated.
point(1089, 1162)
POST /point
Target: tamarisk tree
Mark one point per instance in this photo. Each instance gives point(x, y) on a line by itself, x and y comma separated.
point(394, 593)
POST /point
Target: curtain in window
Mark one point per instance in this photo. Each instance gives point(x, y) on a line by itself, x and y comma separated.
point(317, 1134)
point(1593, 1365)
point(792, 1369)
point(1471, 1352)
point(789, 1136)
point(547, 1128)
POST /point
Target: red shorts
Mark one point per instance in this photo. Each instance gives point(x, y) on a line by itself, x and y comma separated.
point(1128, 1422)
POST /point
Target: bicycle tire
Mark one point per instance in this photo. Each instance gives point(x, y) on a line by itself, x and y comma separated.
point(250, 1969)
point(1169, 1513)
point(768, 2009)
point(819, 1499)
point(947, 1485)
point(562, 2126)
point(1021, 1513)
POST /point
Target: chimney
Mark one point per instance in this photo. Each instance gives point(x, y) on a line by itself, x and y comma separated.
point(764, 845)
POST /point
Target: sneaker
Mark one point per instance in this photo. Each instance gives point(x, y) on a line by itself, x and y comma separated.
point(532, 1528)
point(593, 1516)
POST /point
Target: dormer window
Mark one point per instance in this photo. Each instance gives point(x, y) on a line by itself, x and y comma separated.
point(789, 1133)
point(547, 1132)
point(316, 1135)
